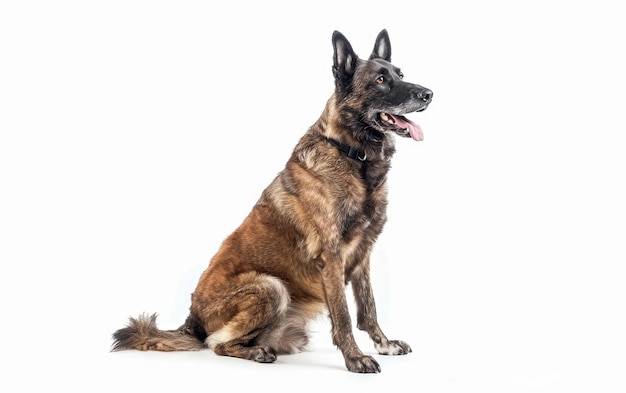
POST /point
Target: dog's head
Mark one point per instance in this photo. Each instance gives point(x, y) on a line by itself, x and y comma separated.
point(375, 91)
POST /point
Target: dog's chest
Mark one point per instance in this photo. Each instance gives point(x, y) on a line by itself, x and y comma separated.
point(365, 209)
point(374, 175)
point(361, 225)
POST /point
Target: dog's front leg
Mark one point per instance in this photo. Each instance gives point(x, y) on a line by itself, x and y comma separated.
point(367, 319)
point(334, 288)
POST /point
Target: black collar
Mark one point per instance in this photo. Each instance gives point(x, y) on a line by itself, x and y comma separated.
point(349, 150)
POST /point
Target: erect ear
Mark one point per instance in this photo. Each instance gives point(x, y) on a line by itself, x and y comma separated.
point(344, 59)
point(382, 47)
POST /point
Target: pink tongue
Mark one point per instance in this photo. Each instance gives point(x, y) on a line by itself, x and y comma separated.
point(414, 130)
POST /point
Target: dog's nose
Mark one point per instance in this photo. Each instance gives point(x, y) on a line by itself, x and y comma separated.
point(425, 95)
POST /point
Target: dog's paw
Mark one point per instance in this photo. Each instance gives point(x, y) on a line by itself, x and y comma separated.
point(363, 364)
point(393, 347)
point(263, 355)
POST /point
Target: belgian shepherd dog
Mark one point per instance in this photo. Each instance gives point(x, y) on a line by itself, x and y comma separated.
point(311, 232)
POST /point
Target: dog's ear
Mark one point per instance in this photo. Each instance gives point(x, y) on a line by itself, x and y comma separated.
point(382, 47)
point(344, 59)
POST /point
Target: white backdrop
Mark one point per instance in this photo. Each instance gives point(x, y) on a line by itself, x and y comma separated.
point(136, 135)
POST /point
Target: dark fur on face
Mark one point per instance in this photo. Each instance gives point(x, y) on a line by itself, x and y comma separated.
point(310, 233)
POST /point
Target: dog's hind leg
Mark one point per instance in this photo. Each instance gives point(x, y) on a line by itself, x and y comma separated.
point(367, 319)
point(255, 302)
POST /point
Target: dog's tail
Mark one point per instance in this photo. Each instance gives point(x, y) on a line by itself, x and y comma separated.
point(142, 333)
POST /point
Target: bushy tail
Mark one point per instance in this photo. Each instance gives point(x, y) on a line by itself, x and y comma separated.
point(142, 334)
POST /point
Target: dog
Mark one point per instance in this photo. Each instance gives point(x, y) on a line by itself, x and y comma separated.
point(310, 234)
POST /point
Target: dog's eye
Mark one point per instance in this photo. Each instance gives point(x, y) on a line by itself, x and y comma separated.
point(380, 79)
point(401, 75)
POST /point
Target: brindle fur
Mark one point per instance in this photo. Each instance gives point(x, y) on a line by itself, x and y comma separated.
point(308, 236)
